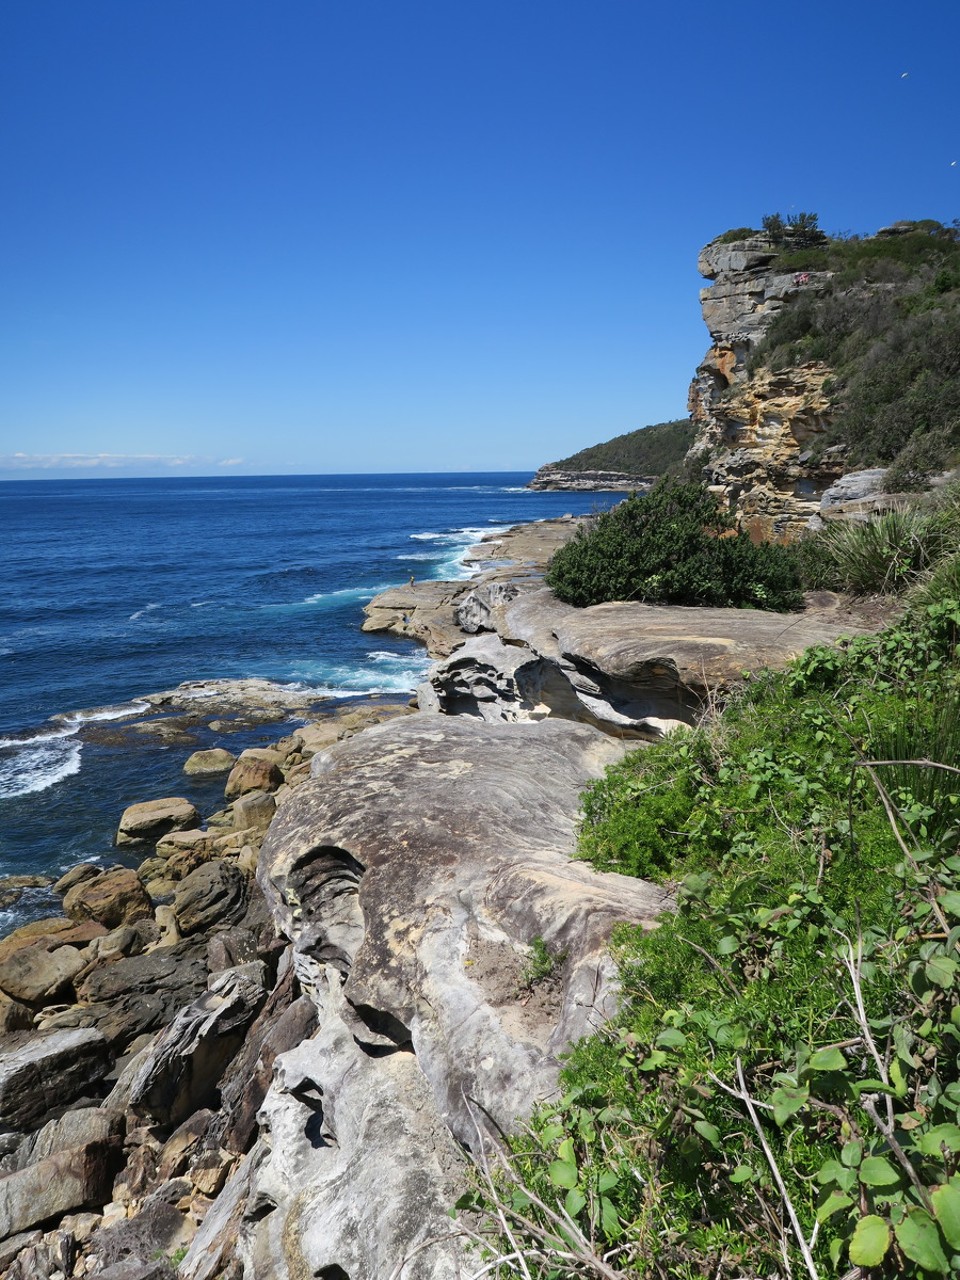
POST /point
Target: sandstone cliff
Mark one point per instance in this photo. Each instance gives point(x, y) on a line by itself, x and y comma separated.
point(754, 434)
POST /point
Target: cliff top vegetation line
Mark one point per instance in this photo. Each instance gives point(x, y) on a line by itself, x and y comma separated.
point(656, 450)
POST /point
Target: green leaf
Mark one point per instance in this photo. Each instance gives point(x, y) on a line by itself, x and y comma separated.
point(742, 1173)
point(563, 1174)
point(851, 1154)
point(670, 1039)
point(708, 1131)
point(946, 1210)
point(574, 1201)
point(653, 1061)
point(834, 1202)
point(727, 945)
point(950, 901)
point(871, 1240)
point(941, 970)
point(607, 1180)
point(787, 1101)
point(831, 1171)
point(876, 1171)
point(828, 1060)
point(918, 1237)
point(609, 1218)
point(941, 1135)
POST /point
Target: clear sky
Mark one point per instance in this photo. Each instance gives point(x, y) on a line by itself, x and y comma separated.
point(400, 235)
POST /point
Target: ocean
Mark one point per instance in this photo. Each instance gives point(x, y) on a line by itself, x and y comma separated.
point(115, 588)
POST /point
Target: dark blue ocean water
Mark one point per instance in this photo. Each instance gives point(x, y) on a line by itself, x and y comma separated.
point(116, 588)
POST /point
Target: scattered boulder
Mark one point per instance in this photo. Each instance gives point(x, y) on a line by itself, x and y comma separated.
point(82, 871)
point(154, 818)
point(114, 898)
point(181, 1071)
point(36, 975)
point(42, 1070)
point(253, 772)
point(183, 1144)
point(73, 1179)
point(73, 1129)
point(14, 1016)
point(51, 932)
point(141, 993)
point(174, 842)
point(213, 895)
point(211, 761)
point(254, 811)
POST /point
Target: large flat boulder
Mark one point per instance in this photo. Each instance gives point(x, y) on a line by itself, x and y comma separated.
point(426, 845)
point(152, 819)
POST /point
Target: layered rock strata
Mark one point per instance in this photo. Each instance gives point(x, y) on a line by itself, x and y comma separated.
point(553, 476)
point(754, 434)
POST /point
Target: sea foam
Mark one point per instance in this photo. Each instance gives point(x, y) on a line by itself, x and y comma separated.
point(37, 764)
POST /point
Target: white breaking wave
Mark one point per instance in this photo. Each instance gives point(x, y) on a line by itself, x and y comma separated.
point(37, 764)
point(456, 537)
point(74, 720)
point(453, 548)
point(147, 608)
point(387, 672)
point(40, 760)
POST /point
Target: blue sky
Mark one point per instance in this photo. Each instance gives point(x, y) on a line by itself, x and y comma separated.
point(413, 235)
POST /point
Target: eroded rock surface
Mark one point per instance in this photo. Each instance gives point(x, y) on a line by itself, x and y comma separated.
point(411, 875)
point(620, 666)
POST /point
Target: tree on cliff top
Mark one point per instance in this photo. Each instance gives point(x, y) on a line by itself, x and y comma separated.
point(801, 230)
point(673, 547)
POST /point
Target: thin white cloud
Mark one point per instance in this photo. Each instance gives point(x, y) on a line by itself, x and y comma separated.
point(230, 462)
point(91, 461)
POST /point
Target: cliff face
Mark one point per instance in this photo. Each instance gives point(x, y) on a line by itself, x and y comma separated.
point(754, 433)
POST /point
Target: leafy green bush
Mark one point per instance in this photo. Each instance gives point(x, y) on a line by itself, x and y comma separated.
point(672, 547)
point(780, 1093)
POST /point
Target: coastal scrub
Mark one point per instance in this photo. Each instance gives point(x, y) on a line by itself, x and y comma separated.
point(674, 546)
point(780, 1093)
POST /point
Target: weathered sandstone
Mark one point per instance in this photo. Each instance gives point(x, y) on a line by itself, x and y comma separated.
point(154, 818)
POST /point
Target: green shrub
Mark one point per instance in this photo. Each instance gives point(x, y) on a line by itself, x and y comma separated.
point(780, 1092)
point(735, 234)
point(673, 547)
point(884, 555)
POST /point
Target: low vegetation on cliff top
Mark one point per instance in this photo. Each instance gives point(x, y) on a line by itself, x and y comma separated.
point(651, 451)
point(888, 324)
point(780, 1094)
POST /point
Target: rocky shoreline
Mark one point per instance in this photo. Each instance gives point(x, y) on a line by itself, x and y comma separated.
point(269, 1050)
point(551, 476)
